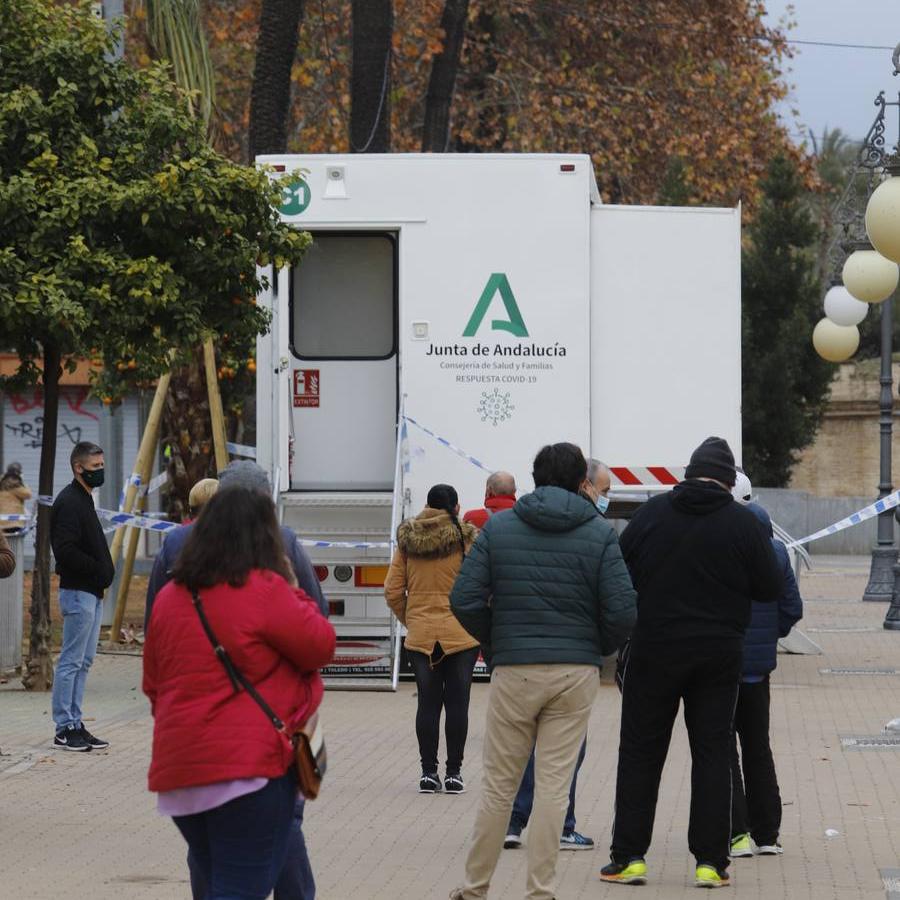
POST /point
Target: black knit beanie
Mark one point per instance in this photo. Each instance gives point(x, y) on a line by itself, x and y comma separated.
point(712, 459)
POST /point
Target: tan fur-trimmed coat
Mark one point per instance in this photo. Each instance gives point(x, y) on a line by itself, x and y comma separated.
point(421, 576)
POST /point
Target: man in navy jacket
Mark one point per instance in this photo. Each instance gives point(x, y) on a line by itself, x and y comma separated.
point(756, 802)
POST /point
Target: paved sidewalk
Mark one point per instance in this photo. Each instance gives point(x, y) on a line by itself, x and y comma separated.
point(85, 825)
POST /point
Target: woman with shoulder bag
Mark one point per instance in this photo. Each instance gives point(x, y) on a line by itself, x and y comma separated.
point(13, 494)
point(430, 551)
point(221, 769)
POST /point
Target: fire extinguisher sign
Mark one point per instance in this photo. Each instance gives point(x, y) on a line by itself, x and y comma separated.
point(306, 387)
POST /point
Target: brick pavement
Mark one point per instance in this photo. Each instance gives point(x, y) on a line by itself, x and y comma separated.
point(86, 825)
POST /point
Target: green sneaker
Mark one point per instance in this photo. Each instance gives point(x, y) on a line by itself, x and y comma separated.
point(710, 877)
point(740, 846)
point(632, 872)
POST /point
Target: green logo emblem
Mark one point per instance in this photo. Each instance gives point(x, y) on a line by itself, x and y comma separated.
point(295, 195)
point(514, 323)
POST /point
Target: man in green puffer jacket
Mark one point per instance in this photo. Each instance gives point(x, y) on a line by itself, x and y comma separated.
point(546, 592)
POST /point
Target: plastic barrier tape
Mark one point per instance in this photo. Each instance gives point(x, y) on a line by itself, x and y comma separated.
point(241, 450)
point(451, 447)
point(869, 512)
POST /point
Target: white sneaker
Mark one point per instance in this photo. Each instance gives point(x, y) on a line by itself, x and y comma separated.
point(770, 849)
point(512, 841)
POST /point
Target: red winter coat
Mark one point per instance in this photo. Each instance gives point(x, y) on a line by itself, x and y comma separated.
point(203, 731)
point(495, 504)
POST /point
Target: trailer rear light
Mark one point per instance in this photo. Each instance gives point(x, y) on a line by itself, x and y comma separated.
point(321, 572)
point(335, 607)
point(278, 168)
point(370, 576)
point(567, 167)
point(343, 573)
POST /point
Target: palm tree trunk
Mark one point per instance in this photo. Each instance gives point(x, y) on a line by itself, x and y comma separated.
point(444, 66)
point(187, 435)
point(276, 48)
point(38, 671)
point(370, 81)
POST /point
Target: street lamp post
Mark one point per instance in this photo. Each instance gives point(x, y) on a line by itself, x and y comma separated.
point(870, 275)
point(884, 553)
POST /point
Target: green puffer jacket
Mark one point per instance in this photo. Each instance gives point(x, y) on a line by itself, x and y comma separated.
point(545, 582)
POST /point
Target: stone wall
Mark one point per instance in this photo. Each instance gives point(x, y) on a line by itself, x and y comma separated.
point(844, 459)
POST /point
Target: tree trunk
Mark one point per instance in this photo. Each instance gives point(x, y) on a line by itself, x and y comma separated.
point(370, 82)
point(477, 90)
point(444, 66)
point(276, 48)
point(38, 671)
point(187, 435)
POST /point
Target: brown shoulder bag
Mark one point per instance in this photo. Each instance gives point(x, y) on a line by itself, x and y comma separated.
point(310, 755)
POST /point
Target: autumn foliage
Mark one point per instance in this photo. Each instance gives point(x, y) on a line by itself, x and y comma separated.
point(653, 89)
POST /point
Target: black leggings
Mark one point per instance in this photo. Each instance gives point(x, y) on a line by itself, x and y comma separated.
point(447, 685)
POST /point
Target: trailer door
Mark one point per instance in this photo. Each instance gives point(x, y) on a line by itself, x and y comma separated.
point(344, 347)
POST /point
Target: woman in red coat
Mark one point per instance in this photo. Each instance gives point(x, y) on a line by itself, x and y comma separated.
point(221, 769)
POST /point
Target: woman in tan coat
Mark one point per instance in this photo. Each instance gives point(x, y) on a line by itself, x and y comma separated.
point(430, 550)
point(13, 494)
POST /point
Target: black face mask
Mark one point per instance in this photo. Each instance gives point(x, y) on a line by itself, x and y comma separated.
point(93, 478)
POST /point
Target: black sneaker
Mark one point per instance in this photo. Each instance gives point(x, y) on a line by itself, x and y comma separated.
point(453, 784)
point(429, 783)
point(71, 739)
point(95, 742)
point(513, 840)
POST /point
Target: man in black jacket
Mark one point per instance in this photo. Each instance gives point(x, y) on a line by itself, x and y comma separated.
point(85, 570)
point(697, 559)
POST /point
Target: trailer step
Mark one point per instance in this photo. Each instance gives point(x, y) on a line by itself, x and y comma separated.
point(358, 684)
point(336, 499)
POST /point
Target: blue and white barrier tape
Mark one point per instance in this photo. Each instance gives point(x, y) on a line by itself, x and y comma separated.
point(892, 501)
point(144, 522)
point(241, 450)
point(450, 446)
point(119, 519)
point(348, 545)
point(142, 489)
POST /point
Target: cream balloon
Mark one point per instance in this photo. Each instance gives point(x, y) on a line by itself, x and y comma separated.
point(843, 308)
point(835, 343)
point(869, 277)
point(883, 219)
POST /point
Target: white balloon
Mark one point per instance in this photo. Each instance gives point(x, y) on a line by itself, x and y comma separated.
point(836, 343)
point(869, 276)
point(843, 308)
point(883, 219)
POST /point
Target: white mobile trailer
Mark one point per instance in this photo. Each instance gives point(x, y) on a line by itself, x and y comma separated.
point(503, 306)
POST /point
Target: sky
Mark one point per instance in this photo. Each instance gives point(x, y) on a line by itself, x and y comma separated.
point(836, 86)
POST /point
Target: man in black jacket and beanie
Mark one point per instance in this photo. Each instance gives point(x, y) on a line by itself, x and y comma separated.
point(85, 570)
point(697, 559)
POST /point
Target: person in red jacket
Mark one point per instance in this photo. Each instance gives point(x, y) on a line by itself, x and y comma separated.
point(220, 768)
point(499, 494)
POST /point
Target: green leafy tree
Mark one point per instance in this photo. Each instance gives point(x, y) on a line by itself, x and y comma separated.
point(785, 382)
point(123, 235)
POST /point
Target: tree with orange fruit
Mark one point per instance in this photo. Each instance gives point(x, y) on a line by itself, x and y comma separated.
point(123, 235)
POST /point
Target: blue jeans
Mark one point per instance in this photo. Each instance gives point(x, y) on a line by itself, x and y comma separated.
point(239, 848)
point(295, 881)
point(81, 631)
point(521, 811)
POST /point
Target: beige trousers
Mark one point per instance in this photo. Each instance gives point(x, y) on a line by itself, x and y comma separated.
point(542, 706)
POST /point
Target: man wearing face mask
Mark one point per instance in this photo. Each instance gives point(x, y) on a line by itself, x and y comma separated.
point(85, 570)
point(597, 484)
point(595, 489)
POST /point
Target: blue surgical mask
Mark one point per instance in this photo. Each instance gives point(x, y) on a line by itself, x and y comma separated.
point(602, 503)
